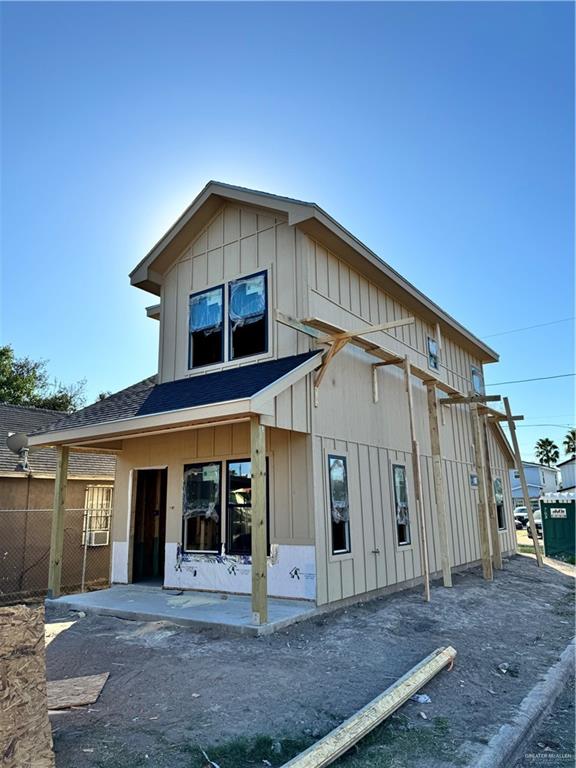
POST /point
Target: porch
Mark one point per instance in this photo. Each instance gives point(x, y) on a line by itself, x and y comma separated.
point(188, 608)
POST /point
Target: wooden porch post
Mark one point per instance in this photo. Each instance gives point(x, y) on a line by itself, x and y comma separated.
point(439, 482)
point(259, 532)
point(523, 483)
point(491, 501)
point(57, 535)
point(482, 500)
point(417, 482)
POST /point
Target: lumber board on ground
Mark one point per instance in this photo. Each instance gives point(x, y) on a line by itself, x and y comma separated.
point(25, 733)
point(75, 691)
point(339, 741)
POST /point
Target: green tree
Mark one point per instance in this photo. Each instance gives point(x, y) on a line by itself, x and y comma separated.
point(547, 452)
point(570, 442)
point(24, 381)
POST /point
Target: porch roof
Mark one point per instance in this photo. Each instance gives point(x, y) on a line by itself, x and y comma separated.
point(210, 396)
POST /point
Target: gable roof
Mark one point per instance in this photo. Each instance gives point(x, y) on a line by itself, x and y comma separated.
point(18, 418)
point(566, 461)
point(313, 220)
point(126, 410)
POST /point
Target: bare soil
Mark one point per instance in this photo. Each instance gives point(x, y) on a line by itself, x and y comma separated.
point(257, 701)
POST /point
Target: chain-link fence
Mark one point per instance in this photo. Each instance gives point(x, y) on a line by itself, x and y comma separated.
point(25, 549)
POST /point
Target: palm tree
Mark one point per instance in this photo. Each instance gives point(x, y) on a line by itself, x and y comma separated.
point(547, 452)
point(570, 443)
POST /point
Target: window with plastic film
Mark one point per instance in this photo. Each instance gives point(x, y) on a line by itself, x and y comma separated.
point(248, 316)
point(339, 504)
point(206, 319)
point(401, 504)
point(499, 498)
point(202, 512)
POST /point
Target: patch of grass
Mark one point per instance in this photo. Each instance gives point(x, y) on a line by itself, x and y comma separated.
point(248, 752)
point(397, 742)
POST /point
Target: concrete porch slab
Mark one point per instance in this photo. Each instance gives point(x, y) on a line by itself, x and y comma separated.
point(187, 608)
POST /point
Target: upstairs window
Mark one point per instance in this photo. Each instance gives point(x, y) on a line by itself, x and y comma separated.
point(339, 504)
point(201, 508)
point(477, 380)
point(401, 504)
point(248, 316)
point(433, 354)
point(206, 345)
point(499, 498)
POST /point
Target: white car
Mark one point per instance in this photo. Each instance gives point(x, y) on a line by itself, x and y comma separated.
point(520, 517)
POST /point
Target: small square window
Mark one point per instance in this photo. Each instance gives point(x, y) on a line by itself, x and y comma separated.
point(477, 380)
point(433, 354)
point(339, 504)
point(401, 504)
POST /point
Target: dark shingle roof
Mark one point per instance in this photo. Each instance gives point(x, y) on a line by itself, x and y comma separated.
point(18, 418)
point(147, 398)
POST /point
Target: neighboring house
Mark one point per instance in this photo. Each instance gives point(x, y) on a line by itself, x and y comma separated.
point(341, 516)
point(26, 498)
point(568, 474)
point(539, 478)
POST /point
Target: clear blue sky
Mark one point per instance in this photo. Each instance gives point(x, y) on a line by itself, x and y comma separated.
point(441, 134)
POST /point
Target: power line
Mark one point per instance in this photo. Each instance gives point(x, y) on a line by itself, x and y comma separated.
point(559, 426)
point(540, 378)
point(528, 327)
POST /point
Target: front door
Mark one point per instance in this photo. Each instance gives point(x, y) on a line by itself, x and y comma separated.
point(149, 525)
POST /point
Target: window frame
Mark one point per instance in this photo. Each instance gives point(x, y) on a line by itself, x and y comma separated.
point(410, 543)
point(340, 553)
point(222, 461)
point(229, 357)
point(474, 369)
point(436, 354)
point(226, 541)
point(504, 527)
point(220, 521)
point(104, 510)
point(221, 287)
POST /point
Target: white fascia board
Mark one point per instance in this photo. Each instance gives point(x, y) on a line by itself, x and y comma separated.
point(141, 424)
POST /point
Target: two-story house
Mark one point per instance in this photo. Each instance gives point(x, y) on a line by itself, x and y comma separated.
point(567, 470)
point(540, 479)
point(294, 442)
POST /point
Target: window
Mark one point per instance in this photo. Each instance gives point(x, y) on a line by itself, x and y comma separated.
point(203, 523)
point(433, 356)
point(201, 508)
point(339, 504)
point(401, 504)
point(206, 345)
point(97, 515)
point(477, 381)
point(247, 316)
point(499, 498)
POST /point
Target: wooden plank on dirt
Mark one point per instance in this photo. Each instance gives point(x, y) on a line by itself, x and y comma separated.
point(75, 691)
point(339, 741)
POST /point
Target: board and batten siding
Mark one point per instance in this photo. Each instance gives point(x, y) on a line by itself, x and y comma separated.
point(240, 241)
point(373, 436)
point(341, 295)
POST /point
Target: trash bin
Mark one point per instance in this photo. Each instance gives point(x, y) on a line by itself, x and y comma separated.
point(559, 525)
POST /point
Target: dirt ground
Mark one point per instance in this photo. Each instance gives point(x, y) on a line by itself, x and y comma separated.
point(258, 701)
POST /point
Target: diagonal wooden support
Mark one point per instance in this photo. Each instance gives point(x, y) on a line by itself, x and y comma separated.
point(523, 483)
point(367, 329)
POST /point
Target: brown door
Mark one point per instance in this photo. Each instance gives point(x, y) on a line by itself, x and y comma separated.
point(149, 525)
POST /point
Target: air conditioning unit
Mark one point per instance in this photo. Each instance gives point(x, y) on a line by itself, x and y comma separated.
point(98, 538)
